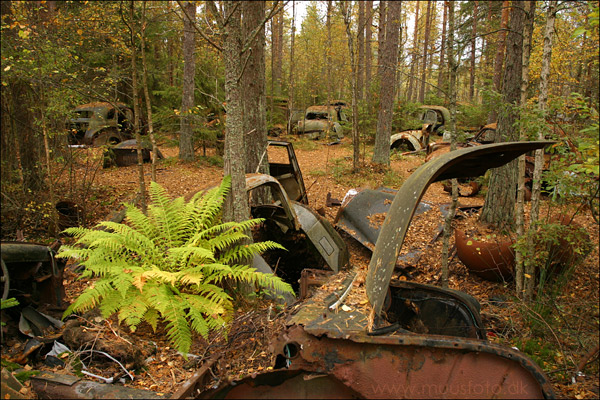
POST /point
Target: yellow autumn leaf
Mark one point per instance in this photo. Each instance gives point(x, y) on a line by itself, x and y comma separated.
point(469, 243)
point(527, 276)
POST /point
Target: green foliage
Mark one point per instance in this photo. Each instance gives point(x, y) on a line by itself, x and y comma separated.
point(407, 117)
point(471, 115)
point(8, 303)
point(557, 249)
point(169, 265)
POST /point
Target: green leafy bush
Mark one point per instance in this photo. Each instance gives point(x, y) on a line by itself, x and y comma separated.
point(169, 265)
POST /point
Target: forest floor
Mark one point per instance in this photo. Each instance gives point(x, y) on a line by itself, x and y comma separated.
point(556, 332)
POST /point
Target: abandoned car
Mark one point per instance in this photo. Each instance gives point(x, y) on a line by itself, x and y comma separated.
point(389, 338)
point(320, 122)
point(100, 123)
point(433, 122)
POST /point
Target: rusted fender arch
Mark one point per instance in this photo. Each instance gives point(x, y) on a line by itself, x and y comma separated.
point(461, 163)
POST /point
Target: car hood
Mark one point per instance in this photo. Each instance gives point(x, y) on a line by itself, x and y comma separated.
point(461, 163)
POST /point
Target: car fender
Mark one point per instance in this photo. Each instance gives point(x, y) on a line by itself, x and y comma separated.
point(413, 136)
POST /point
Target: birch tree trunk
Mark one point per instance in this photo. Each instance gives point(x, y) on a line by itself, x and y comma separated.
point(440, 80)
point(360, 43)
point(414, 62)
point(425, 46)
point(389, 60)
point(473, 42)
point(292, 84)
point(519, 218)
point(347, 13)
point(368, 51)
point(539, 154)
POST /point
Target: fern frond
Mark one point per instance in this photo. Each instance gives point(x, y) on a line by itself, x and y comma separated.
point(248, 274)
point(245, 252)
point(173, 311)
point(140, 221)
point(90, 297)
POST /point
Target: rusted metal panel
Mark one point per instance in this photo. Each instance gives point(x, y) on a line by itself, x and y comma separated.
point(493, 261)
point(362, 214)
point(415, 366)
point(457, 164)
point(48, 385)
point(33, 275)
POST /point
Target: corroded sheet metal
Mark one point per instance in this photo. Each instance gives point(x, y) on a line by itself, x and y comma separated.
point(415, 366)
point(461, 163)
point(284, 384)
point(493, 261)
point(362, 214)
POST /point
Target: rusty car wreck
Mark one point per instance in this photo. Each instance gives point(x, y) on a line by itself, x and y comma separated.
point(433, 121)
point(100, 123)
point(320, 122)
point(404, 340)
point(363, 334)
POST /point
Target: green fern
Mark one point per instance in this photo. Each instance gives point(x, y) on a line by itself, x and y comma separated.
point(169, 264)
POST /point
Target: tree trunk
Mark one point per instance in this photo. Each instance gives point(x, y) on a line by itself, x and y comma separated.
point(360, 43)
point(453, 68)
point(147, 94)
point(236, 204)
point(543, 109)
point(440, 80)
point(186, 145)
point(381, 35)
point(498, 62)
point(253, 92)
point(346, 10)
point(389, 60)
point(499, 207)
point(414, 62)
point(425, 48)
point(473, 42)
point(328, 53)
point(368, 51)
point(520, 214)
point(277, 52)
point(291, 101)
point(136, 112)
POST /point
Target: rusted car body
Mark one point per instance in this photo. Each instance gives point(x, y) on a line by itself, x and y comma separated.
point(320, 122)
point(31, 274)
point(396, 339)
point(285, 168)
point(101, 123)
point(485, 135)
point(125, 153)
point(434, 120)
point(310, 240)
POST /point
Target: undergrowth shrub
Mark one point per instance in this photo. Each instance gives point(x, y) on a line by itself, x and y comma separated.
point(169, 265)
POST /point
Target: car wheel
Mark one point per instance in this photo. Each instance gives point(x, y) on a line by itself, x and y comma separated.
point(107, 138)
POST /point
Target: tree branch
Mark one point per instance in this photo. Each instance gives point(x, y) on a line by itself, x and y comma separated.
point(252, 36)
point(200, 31)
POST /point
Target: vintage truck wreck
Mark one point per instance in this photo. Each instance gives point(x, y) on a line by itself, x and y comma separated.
point(100, 123)
point(396, 339)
